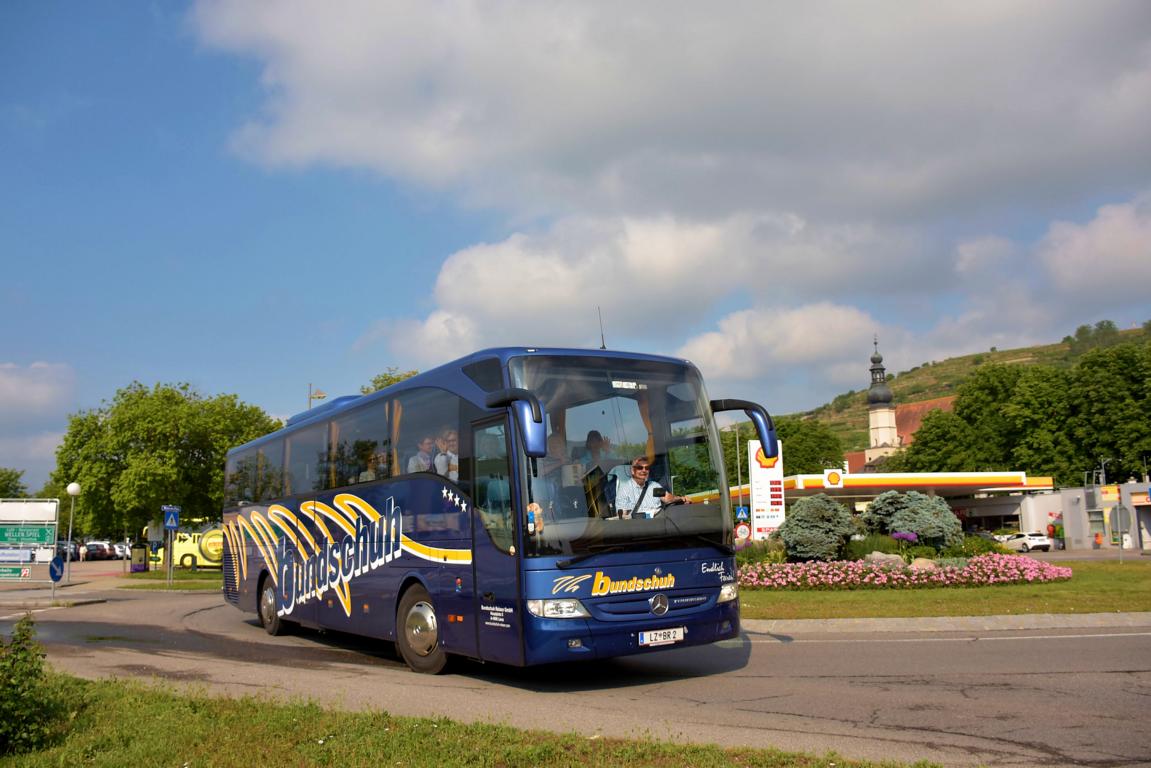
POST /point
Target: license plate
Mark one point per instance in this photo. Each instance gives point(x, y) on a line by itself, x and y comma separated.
point(661, 636)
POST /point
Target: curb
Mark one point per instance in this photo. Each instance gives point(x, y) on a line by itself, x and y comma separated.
point(949, 623)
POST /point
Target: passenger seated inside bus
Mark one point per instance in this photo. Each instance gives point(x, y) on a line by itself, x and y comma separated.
point(421, 461)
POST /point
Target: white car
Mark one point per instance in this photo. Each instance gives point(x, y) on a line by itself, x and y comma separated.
point(1025, 542)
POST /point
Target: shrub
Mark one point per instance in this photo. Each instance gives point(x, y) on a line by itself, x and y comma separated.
point(770, 551)
point(920, 551)
point(30, 706)
point(930, 519)
point(857, 549)
point(974, 545)
point(816, 528)
point(877, 517)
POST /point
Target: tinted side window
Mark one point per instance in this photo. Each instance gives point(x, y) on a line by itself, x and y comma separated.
point(493, 497)
point(422, 415)
point(270, 478)
point(361, 445)
point(306, 460)
point(240, 478)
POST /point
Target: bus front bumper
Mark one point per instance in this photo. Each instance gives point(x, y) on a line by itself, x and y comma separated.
point(558, 640)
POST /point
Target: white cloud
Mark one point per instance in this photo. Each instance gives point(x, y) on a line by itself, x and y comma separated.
point(1106, 260)
point(860, 109)
point(762, 189)
point(32, 392)
point(23, 450)
point(650, 277)
point(765, 343)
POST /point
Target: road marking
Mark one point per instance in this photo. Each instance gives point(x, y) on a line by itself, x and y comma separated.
point(11, 616)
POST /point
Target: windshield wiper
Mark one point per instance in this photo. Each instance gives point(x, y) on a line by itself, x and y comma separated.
point(580, 558)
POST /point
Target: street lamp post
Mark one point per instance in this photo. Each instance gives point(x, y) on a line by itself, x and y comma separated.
point(73, 491)
point(317, 394)
point(738, 460)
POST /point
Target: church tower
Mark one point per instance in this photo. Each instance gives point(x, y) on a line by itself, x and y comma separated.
point(884, 439)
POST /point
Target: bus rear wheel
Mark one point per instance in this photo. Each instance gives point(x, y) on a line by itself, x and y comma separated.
point(418, 632)
point(269, 619)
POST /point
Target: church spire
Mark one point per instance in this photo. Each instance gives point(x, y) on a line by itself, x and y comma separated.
point(879, 395)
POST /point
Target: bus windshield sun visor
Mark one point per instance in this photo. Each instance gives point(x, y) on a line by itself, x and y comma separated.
point(764, 426)
point(529, 417)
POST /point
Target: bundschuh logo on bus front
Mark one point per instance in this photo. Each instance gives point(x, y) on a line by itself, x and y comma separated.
point(351, 538)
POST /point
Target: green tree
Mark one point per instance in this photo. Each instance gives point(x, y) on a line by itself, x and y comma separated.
point(1039, 411)
point(943, 443)
point(12, 484)
point(809, 446)
point(150, 447)
point(389, 377)
point(816, 528)
point(981, 404)
point(1111, 392)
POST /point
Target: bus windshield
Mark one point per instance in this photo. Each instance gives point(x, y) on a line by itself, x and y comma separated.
point(605, 417)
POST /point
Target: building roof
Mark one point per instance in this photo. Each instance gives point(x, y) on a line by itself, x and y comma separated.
point(909, 416)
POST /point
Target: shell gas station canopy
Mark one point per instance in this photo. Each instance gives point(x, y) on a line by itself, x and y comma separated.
point(864, 487)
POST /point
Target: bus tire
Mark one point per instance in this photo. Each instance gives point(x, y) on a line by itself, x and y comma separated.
point(418, 633)
point(266, 608)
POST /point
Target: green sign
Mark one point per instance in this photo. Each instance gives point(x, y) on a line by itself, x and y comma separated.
point(15, 572)
point(27, 534)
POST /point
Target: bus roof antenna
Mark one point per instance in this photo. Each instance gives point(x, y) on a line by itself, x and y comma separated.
point(602, 343)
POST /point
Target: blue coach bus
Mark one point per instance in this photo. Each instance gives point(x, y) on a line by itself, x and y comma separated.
point(471, 511)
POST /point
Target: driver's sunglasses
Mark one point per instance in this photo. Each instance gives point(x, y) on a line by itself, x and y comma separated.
point(640, 467)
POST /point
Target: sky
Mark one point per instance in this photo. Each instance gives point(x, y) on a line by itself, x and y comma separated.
point(255, 197)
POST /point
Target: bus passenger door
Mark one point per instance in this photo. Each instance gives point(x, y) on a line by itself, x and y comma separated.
point(499, 626)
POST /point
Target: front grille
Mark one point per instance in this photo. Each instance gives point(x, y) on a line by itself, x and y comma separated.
point(637, 607)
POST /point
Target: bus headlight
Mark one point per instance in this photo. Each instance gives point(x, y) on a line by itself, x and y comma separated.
point(728, 592)
point(564, 608)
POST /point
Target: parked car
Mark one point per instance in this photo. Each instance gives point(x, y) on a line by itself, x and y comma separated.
point(99, 550)
point(62, 548)
point(1025, 542)
point(123, 551)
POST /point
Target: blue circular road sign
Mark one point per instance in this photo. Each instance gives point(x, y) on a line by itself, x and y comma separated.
point(56, 568)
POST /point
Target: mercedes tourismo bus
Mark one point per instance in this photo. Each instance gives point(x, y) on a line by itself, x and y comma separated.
point(503, 542)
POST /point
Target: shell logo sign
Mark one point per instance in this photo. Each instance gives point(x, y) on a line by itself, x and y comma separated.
point(765, 462)
point(832, 478)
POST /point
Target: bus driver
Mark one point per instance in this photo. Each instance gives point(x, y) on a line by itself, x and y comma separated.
point(636, 496)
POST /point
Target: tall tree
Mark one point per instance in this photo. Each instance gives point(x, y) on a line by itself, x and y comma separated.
point(809, 446)
point(1112, 390)
point(12, 484)
point(1039, 412)
point(150, 447)
point(981, 403)
point(389, 377)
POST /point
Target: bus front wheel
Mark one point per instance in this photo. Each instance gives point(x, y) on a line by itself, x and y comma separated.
point(269, 619)
point(418, 633)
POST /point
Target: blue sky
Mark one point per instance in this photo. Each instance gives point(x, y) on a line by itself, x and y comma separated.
point(255, 197)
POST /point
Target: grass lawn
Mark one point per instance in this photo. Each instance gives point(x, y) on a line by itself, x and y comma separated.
point(1095, 587)
point(117, 723)
point(182, 580)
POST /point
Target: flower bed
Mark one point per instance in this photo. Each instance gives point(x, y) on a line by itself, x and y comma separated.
point(980, 571)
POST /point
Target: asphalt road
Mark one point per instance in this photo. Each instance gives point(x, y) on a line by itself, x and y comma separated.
point(957, 695)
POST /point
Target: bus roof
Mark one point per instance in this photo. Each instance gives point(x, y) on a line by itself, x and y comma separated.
point(450, 376)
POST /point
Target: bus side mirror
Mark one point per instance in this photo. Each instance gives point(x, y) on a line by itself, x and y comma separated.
point(529, 418)
point(764, 426)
